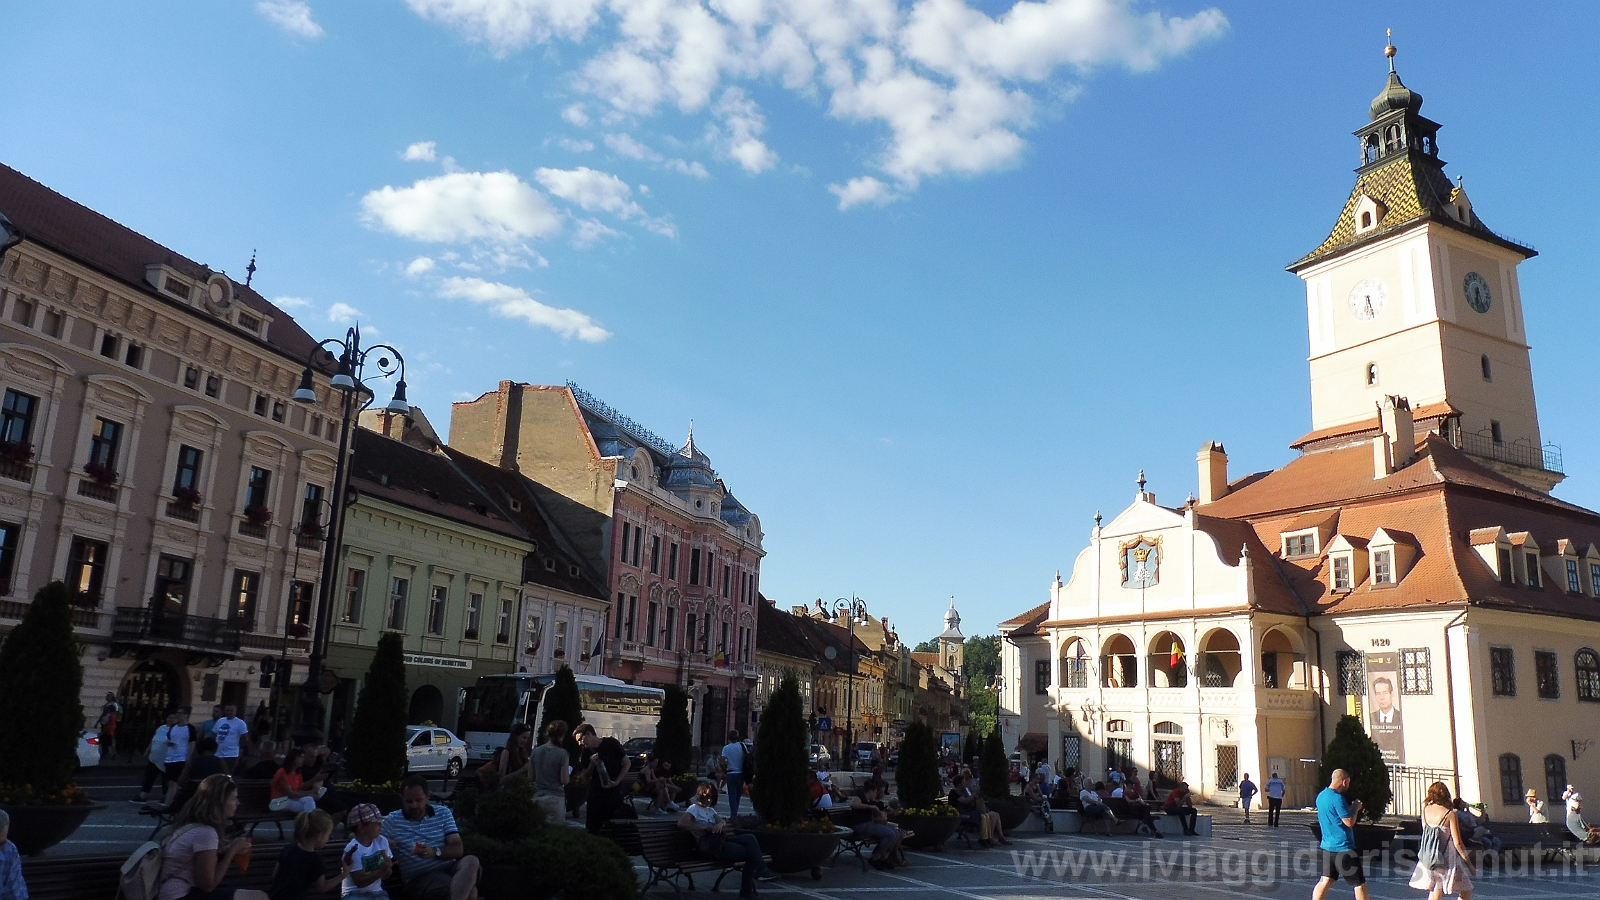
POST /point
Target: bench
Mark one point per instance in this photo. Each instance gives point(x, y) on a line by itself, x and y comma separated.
point(165, 814)
point(853, 842)
point(670, 853)
point(1551, 839)
point(254, 798)
point(95, 877)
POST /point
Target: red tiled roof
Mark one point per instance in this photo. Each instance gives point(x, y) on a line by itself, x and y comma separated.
point(1027, 623)
point(1370, 425)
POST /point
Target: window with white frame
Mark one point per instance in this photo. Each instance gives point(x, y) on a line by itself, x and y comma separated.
point(559, 650)
point(474, 616)
point(355, 581)
point(398, 589)
point(1341, 573)
point(438, 606)
point(502, 631)
point(1383, 567)
point(1300, 543)
point(1574, 584)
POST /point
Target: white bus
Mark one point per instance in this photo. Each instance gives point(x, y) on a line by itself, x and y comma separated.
point(498, 702)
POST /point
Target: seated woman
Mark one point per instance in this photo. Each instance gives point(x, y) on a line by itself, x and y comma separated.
point(289, 787)
point(657, 779)
point(519, 750)
point(970, 806)
point(1094, 806)
point(195, 858)
point(710, 831)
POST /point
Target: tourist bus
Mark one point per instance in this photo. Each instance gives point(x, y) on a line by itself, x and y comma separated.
point(498, 702)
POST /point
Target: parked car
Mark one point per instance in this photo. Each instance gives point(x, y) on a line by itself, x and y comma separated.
point(88, 749)
point(1019, 771)
point(820, 757)
point(431, 749)
point(866, 751)
point(641, 750)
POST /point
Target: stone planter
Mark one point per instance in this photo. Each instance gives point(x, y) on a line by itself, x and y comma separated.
point(1368, 837)
point(1012, 813)
point(930, 831)
point(35, 829)
point(797, 851)
point(509, 881)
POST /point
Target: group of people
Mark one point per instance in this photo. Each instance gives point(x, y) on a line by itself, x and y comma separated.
point(601, 763)
point(1576, 826)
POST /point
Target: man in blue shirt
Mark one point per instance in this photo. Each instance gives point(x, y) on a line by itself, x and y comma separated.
point(1337, 816)
point(427, 847)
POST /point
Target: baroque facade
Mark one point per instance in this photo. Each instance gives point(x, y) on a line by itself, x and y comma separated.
point(1404, 568)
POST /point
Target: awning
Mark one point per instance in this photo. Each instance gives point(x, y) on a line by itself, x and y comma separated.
point(1035, 742)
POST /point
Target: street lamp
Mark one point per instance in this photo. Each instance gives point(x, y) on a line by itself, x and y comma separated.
point(352, 360)
point(857, 609)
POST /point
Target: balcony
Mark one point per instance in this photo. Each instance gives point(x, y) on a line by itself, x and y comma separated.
point(1547, 457)
point(309, 540)
point(94, 490)
point(253, 529)
point(274, 643)
point(82, 616)
point(200, 635)
point(15, 469)
point(183, 512)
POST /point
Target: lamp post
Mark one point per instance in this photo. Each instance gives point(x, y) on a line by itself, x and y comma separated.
point(857, 608)
point(355, 396)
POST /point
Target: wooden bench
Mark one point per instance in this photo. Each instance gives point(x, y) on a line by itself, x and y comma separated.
point(854, 842)
point(165, 814)
point(1550, 839)
point(254, 799)
point(95, 877)
point(670, 853)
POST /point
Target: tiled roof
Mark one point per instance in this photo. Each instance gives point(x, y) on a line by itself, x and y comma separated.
point(1371, 425)
point(926, 659)
point(427, 482)
point(1272, 589)
point(782, 633)
point(1027, 623)
point(76, 231)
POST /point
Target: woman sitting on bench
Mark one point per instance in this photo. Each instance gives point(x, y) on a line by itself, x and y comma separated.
point(710, 831)
point(289, 788)
point(971, 808)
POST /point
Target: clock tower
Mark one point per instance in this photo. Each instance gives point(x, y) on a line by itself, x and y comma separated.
point(1412, 296)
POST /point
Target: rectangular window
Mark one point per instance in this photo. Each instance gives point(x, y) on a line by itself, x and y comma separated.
point(255, 492)
point(172, 585)
point(1300, 545)
point(722, 640)
point(534, 634)
point(1532, 560)
point(1574, 585)
point(242, 608)
point(668, 637)
point(1510, 778)
point(22, 312)
point(1041, 676)
point(1383, 567)
point(134, 356)
point(53, 322)
point(502, 629)
point(1341, 573)
point(213, 385)
point(633, 613)
point(191, 377)
point(108, 346)
point(311, 509)
point(398, 588)
point(1416, 674)
point(1502, 672)
point(86, 571)
point(1352, 674)
point(474, 617)
point(438, 606)
point(560, 648)
point(300, 604)
point(655, 554)
point(694, 566)
point(261, 404)
point(1594, 579)
point(689, 637)
point(9, 535)
point(188, 474)
point(651, 613)
point(638, 539)
point(1503, 557)
point(104, 442)
point(588, 642)
point(672, 563)
point(625, 532)
point(355, 581)
point(1545, 669)
point(727, 581)
point(16, 420)
point(278, 410)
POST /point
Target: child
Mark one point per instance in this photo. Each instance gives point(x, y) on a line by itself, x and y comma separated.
point(299, 870)
point(11, 886)
point(367, 860)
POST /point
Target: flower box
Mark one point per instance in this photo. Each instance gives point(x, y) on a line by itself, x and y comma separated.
point(100, 472)
point(258, 515)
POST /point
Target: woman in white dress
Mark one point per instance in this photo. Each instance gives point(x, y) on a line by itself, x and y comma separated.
point(1452, 873)
point(1536, 814)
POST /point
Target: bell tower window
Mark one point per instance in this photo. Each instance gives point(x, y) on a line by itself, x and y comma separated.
point(1372, 374)
point(1495, 434)
point(1487, 373)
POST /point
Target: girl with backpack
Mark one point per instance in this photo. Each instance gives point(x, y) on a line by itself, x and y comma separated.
point(194, 857)
point(1442, 864)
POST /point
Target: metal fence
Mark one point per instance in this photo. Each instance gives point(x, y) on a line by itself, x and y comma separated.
point(1410, 786)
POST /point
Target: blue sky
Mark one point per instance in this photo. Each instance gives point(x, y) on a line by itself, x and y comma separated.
point(934, 281)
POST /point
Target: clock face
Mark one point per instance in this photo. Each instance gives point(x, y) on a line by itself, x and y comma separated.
point(1477, 291)
point(1367, 298)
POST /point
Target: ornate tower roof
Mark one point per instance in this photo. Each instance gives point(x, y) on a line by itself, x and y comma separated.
point(952, 624)
point(1401, 180)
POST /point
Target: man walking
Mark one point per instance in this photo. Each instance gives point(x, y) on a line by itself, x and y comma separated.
point(1337, 816)
point(1247, 795)
point(107, 725)
point(734, 752)
point(1275, 789)
point(230, 732)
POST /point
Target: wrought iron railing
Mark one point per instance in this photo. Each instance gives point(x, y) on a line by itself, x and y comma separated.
point(139, 625)
point(252, 529)
point(176, 509)
point(1547, 457)
point(308, 540)
point(640, 433)
point(1410, 787)
point(97, 491)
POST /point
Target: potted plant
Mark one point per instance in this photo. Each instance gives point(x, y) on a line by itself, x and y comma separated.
point(780, 792)
point(100, 472)
point(16, 451)
point(922, 810)
point(1356, 753)
point(994, 779)
point(40, 719)
point(524, 858)
point(258, 514)
point(674, 742)
point(377, 744)
point(188, 496)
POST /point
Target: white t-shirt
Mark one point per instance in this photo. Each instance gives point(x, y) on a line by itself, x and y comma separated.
point(1087, 796)
point(734, 754)
point(158, 746)
point(1574, 801)
point(1117, 791)
point(1045, 776)
point(703, 815)
point(227, 733)
point(180, 736)
point(359, 853)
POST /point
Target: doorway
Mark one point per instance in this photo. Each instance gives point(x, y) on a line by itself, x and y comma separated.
point(427, 706)
point(714, 720)
point(148, 692)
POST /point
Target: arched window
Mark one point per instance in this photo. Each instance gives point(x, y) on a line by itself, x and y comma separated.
point(1366, 220)
point(1119, 663)
point(1555, 775)
point(1075, 665)
point(1483, 362)
point(1510, 778)
point(1372, 374)
point(1168, 661)
point(1587, 664)
point(1168, 728)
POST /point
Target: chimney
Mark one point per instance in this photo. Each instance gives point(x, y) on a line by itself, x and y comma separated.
point(1213, 461)
point(1400, 428)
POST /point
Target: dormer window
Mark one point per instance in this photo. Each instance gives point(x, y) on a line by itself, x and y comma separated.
point(1347, 562)
point(1574, 583)
point(1368, 214)
point(1341, 573)
point(1507, 576)
point(1532, 560)
point(1301, 543)
point(176, 288)
point(249, 322)
point(1383, 567)
point(1366, 220)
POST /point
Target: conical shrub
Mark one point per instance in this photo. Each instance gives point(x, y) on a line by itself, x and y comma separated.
point(41, 710)
point(378, 733)
point(780, 792)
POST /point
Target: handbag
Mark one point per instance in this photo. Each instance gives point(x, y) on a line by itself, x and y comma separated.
point(278, 804)
point(711, 843)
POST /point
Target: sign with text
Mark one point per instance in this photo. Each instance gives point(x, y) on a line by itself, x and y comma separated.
point(442, 662)
point(1383, 713)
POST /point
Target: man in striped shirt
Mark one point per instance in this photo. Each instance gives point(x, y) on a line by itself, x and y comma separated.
point(427, 847)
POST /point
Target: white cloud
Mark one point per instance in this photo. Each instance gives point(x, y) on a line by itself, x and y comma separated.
point(687, 168)
point(587, 232)
point(515, 303)
point(625, 145)
point(595, 191)
point(419, 266)
point(343, 313)
point(290, 302)
point(463, 207)
point(952, 86)
point(576, 115)
point(864, 189)
point(576, 146)
point(421, 151)
point(293, 16)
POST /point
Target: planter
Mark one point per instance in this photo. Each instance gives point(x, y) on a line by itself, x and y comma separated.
point(931, 831)
point(1012, 813)
point(510, 881)
point(1368, 837)
point(386, 801)
point(797, 851)
point(35, 829)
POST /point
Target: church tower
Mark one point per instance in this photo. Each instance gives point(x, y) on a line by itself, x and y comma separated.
point(1412, 296)
point(952, 643)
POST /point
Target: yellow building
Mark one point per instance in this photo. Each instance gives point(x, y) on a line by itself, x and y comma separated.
point(1407, 567)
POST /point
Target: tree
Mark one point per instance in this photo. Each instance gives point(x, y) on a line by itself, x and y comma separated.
point(40, 710)
point(994, 775)
point(780, 792)
point(378, 733)
point(561, 701)
point(982, 706)
point(917, 777)
point(981, 657)
point(1357, 754)
point(971, 747)
point(931, 645)
point(674, 742)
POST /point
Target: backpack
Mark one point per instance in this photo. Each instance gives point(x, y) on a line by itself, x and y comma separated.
point(749, 767)
point(141, 873)
point(1430, 850)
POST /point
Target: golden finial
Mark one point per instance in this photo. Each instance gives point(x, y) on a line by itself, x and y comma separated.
point(1389, 50)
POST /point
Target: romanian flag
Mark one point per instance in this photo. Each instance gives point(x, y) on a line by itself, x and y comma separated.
point(720, 660)
point(1177, 654)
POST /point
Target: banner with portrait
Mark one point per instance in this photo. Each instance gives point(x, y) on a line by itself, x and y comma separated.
point(1384, 722)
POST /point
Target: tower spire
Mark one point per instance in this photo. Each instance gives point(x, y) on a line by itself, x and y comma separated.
point(1389, 50)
